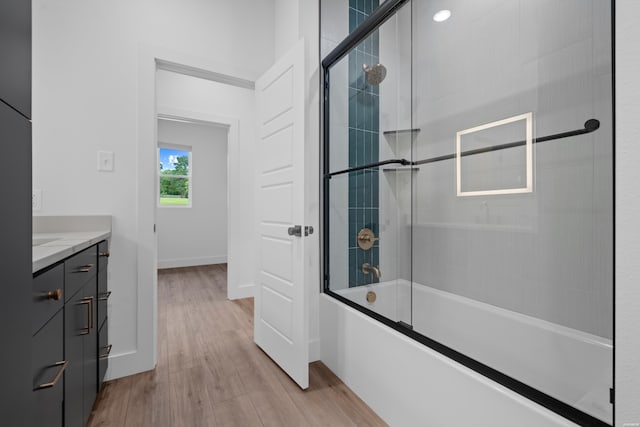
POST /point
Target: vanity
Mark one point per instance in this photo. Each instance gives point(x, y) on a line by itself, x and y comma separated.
point(70, 342)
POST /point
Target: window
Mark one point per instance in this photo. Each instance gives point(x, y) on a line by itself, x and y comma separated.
point(174, 175)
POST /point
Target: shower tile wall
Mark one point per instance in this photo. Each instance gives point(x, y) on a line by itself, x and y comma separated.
point(364, 111)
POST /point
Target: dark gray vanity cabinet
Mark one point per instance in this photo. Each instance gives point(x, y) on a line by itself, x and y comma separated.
point(15, 264)
point(15, 54)
point(80, 340)
point(48, 365)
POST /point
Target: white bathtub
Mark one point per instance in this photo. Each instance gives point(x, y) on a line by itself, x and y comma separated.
point(570, 365)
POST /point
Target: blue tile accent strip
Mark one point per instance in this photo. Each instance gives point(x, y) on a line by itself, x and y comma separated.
point(364, 132)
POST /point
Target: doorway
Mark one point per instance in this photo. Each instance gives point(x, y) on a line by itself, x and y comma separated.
point(192, 198)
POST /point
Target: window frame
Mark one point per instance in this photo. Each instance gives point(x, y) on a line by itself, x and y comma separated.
point(189, 176)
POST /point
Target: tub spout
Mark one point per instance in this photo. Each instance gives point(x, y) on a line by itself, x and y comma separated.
point(368, 268)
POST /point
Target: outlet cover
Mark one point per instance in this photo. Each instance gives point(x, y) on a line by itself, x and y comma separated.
point(105, 161)
point(36, 200)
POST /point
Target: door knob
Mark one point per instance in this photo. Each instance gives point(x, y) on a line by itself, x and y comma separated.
point(296, 230)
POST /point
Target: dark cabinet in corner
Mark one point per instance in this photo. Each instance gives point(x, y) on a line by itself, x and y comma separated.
point(15, 54)
point(16, 388)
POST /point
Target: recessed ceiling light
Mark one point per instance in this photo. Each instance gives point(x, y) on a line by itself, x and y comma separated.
point(442, 15)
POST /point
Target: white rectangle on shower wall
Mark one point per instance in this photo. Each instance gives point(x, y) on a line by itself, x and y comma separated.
point(548, 253)
point(395, 114)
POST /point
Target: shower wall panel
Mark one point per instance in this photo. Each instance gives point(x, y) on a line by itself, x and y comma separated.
point(548, 253)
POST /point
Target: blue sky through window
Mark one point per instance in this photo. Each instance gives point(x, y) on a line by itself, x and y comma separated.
point(168, 157)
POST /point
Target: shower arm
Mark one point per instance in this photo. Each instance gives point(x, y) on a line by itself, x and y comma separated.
point(590, 125)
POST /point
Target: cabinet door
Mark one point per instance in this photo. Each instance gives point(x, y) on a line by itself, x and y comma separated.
point(15, 264)
point(15, 51)
point(77, 326)
point(90, 354)
point(48, 367)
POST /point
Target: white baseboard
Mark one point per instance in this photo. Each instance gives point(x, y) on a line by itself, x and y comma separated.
point(125, 364)
point(191, 262)
point(242, 291)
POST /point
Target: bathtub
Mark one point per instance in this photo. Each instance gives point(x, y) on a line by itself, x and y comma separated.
point(572, 366)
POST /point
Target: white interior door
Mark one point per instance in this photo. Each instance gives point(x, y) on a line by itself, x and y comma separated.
point(281, 325)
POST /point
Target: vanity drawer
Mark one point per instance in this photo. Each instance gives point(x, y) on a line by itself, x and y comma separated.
point(79, 269)
point(47, 366)
point(47, 295)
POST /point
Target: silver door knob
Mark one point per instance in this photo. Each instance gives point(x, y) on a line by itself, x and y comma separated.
point(296, 230)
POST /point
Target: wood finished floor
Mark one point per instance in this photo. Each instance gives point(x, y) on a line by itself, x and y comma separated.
point(210, 373)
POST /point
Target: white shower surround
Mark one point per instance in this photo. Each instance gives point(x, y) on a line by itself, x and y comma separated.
point(531, 350)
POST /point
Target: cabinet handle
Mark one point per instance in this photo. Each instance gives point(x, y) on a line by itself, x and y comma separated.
point(55, 295)
point(106, 353)
point(84, 269)
point(63, 365)
point(105, 296)
point(92, 309)
point(87, 301)
point(106, 254)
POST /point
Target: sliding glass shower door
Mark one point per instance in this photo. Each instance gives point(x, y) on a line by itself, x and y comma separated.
point(468, 188)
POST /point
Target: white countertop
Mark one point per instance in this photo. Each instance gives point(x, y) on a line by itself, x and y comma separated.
point(65, 244)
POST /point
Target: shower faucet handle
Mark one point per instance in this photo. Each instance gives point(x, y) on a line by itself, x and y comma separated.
point(366, 239)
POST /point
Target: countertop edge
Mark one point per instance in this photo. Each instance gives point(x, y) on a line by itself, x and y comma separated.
point(67, 251)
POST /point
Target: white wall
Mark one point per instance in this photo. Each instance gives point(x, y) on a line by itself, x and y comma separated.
point(86, 97)
point(196, 235)
point(627, 350)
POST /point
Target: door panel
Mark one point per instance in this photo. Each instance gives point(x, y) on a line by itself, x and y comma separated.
point(281, 321)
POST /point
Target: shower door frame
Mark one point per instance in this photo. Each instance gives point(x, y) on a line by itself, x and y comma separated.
point(385, 11)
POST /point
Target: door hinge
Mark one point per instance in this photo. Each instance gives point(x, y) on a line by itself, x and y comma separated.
point(154, 228)
point(612, 396)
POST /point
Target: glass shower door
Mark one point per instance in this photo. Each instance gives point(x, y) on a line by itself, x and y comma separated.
point(512, 256)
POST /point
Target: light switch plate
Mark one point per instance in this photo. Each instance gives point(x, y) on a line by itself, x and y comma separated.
point(105, 161)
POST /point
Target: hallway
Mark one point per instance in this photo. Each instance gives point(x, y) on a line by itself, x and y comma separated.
point(210, 373)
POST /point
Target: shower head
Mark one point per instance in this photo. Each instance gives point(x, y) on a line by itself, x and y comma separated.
point(374, 74)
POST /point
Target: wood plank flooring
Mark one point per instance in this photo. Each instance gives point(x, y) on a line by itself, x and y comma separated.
point(210, 372)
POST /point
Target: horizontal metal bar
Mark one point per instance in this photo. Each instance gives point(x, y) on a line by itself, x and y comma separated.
point(403, 162)
point(589, 126)
point(369, 25)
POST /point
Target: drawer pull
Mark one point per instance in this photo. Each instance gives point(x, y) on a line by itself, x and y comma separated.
point(88, 301)
point(105, 296)
point(55, 295)
point(106, 254)
point(63, 365)
point(84, 269)
point(107, 352)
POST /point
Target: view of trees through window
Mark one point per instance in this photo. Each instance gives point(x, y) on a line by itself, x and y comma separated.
point(175, 177)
